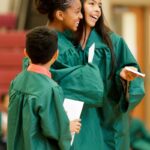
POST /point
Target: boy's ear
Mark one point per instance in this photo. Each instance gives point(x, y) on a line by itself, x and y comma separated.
point(57, 52)
point(25, 53)
point(54, 57)
point(59, 15)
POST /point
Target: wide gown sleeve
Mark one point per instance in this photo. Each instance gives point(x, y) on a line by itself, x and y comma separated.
point(54, 121)
point(82, 83)
point(136, 87)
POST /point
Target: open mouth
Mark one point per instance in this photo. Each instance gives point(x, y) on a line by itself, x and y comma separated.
point(77, 24)
point(94, 18)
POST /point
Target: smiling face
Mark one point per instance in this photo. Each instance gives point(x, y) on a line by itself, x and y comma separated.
point(92, 12)
point(72, 16)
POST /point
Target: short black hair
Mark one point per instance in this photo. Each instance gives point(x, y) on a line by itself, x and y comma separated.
point(41, 44)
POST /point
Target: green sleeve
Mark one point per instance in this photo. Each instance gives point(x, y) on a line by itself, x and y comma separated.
point(82, 83)
point(54, 121)
point(136, 87)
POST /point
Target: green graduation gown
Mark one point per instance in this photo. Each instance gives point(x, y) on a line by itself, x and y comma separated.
point(113, 115)
point(88, 76)
point(36, 117)
point(79, 82)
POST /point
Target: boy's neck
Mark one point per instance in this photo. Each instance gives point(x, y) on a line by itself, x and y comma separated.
point(39, 68)
point(46, 66)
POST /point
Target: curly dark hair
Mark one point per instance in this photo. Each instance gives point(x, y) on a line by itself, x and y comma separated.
point(50, 6)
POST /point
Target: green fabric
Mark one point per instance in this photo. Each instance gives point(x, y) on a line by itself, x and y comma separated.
point(87, 83)
point(113, 115)
point(105, 126)
point(36, 117)
point(79, 82)
point(88, 76)
point(125, 58)
point(82, 82)
point(68, 55)
point(139, 135)
point(141, 145)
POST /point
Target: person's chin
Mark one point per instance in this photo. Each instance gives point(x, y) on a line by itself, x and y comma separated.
point(74, 29)
point(92, 25)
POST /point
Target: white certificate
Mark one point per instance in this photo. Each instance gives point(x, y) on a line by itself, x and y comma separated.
point(73, 109)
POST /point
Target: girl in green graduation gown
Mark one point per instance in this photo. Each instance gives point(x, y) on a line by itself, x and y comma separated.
point(111, 56)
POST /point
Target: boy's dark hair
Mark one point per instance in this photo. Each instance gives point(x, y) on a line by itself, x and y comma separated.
point(41, 44)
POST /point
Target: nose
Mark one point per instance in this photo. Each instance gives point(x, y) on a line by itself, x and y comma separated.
point(97, 8)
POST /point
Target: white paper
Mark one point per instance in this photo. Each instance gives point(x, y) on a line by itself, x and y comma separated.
point(136, 72)
point(91, 53)
point(73, 109)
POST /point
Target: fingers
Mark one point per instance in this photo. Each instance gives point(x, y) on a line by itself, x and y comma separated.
point(75, 126)
point(128, 75)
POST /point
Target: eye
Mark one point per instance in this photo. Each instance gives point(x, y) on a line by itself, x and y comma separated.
point(100, 5)
point(77, 11)
point(91, 3)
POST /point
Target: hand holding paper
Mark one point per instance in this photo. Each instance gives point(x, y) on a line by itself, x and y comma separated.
point(135, 72)
point(129, 73)
point(73, 109)
point(75, 126)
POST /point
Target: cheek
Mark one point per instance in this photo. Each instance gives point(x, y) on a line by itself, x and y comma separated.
point(72, 18)
point(86, 17)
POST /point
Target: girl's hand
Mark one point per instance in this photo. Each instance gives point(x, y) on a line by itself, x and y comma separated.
point(128, 75)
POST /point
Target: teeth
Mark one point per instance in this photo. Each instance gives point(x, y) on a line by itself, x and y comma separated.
point(77, 23)
point(95, 17)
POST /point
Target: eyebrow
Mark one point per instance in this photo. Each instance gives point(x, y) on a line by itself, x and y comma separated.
point(98, 3)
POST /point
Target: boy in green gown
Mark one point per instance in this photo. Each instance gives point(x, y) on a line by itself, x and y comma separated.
point(36, 117)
